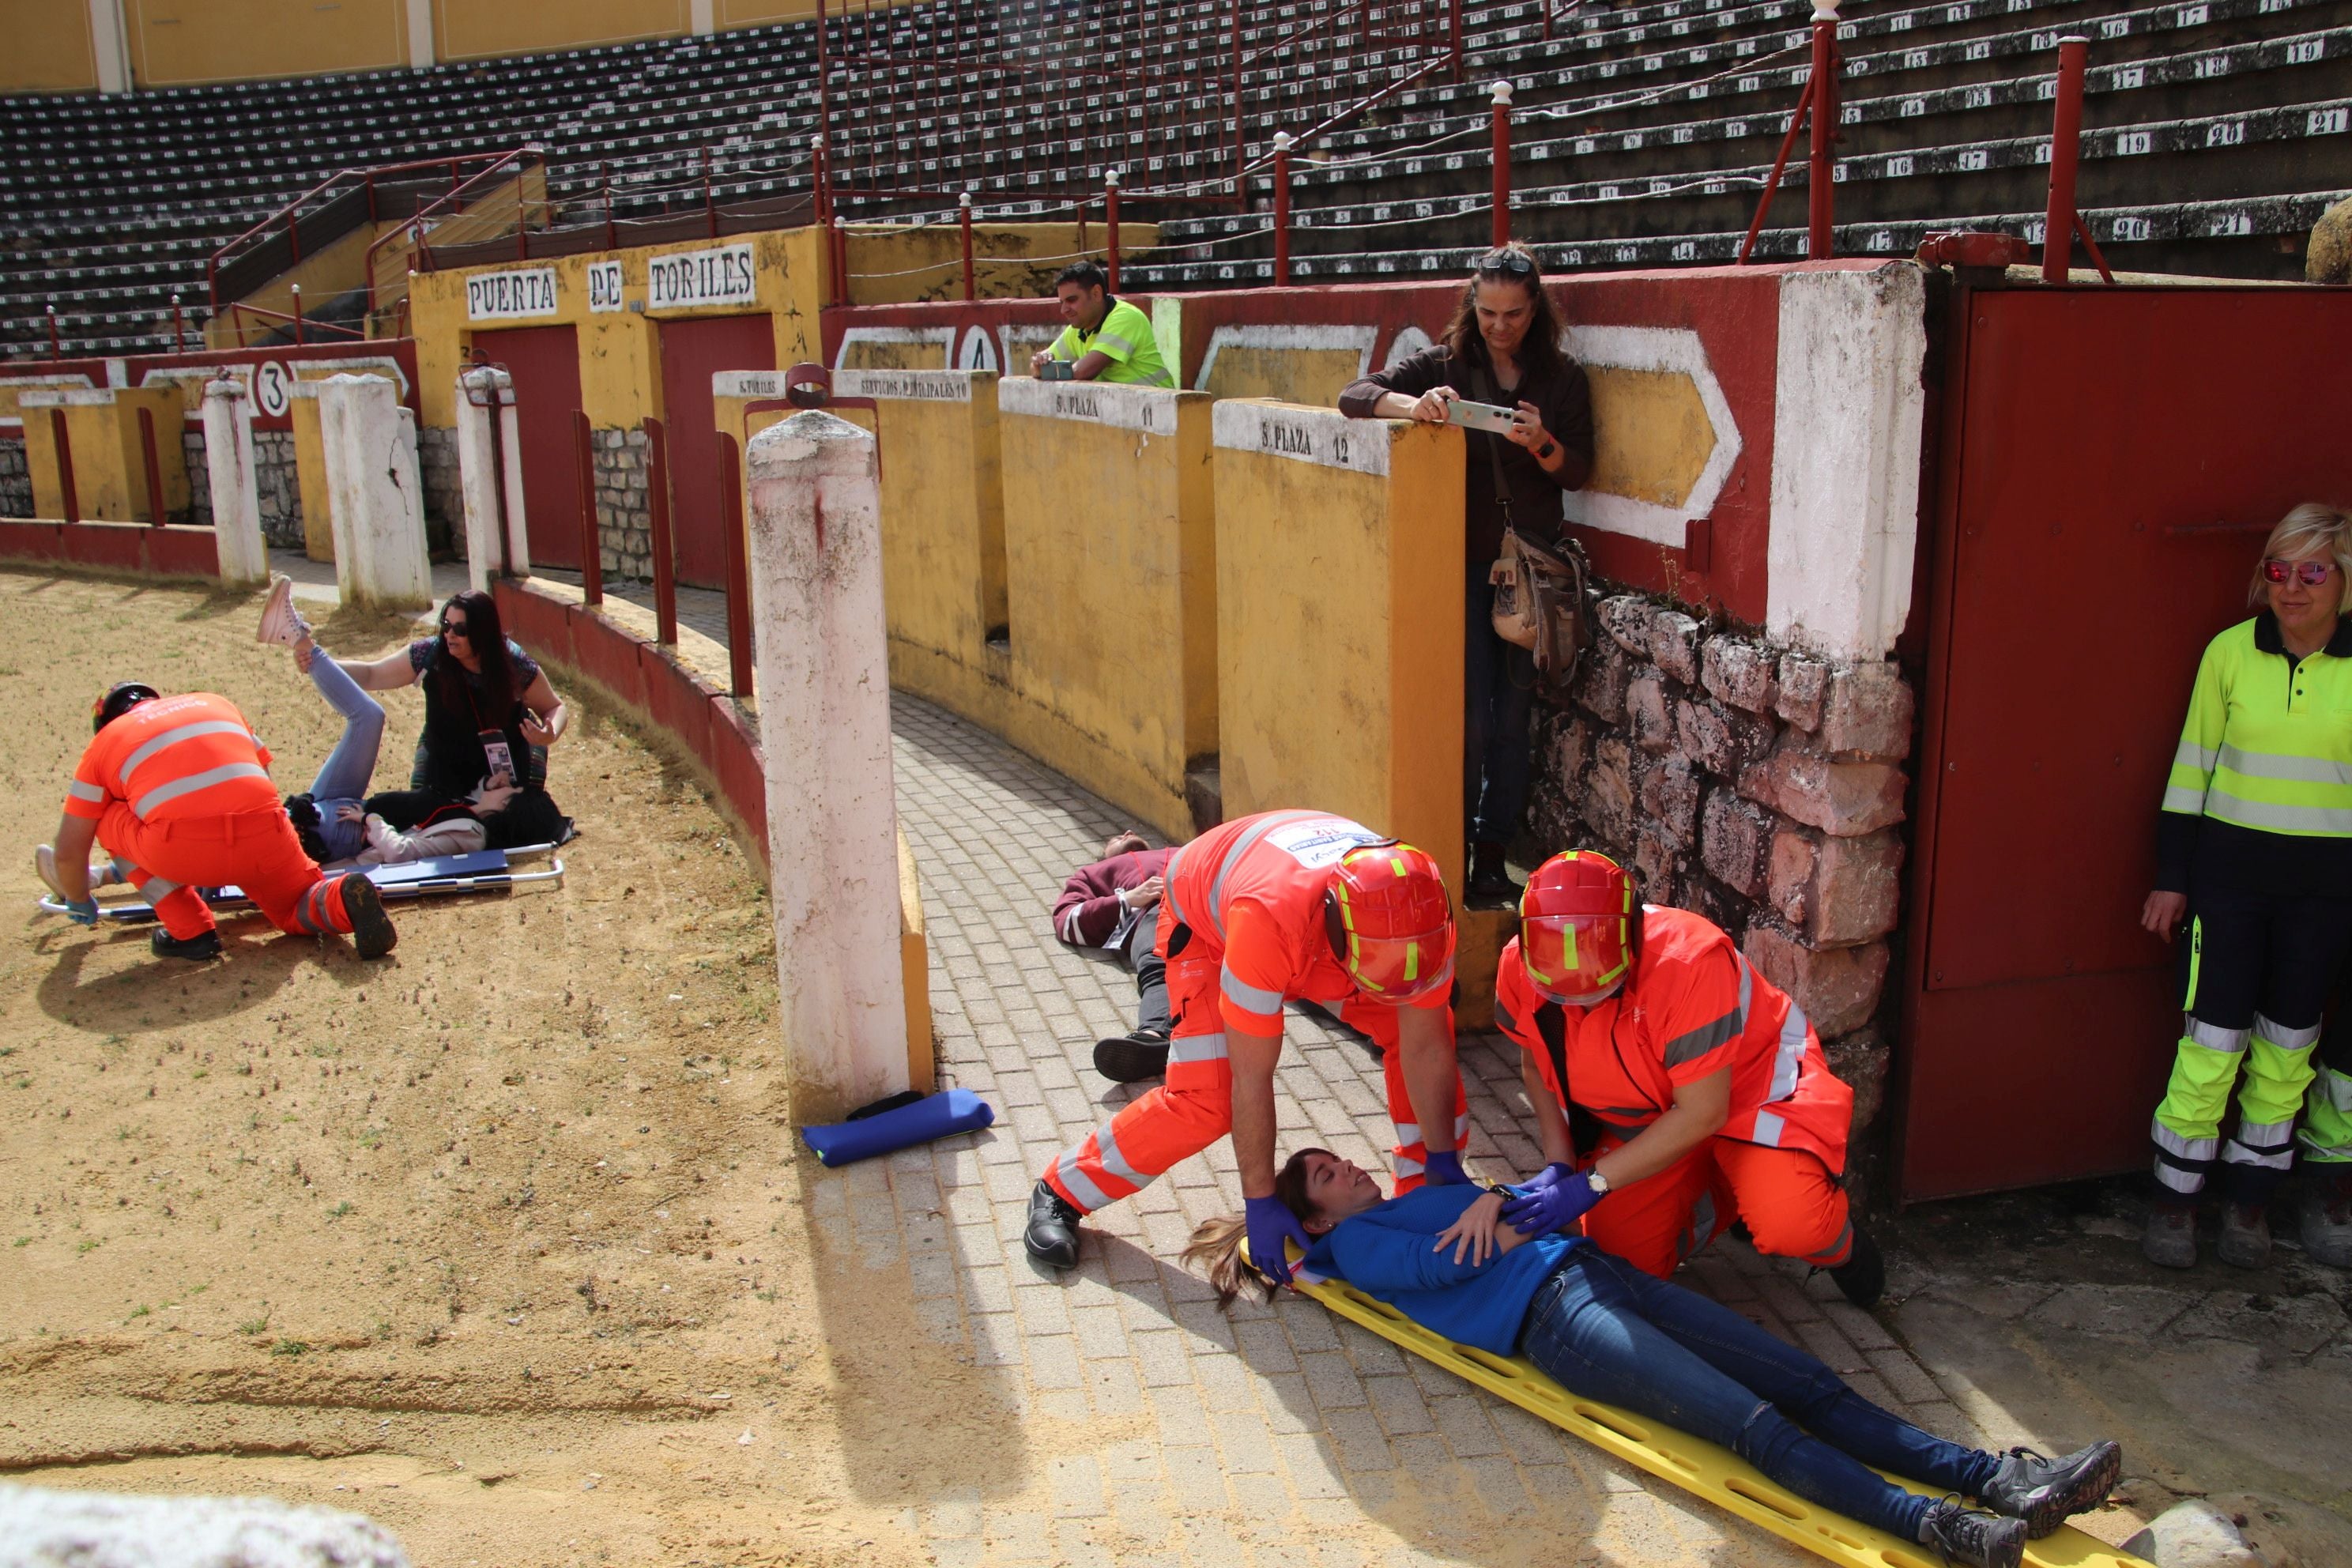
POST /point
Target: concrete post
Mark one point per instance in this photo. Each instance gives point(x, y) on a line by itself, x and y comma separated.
point(487, 462)
point(369, 441)
point(824, 726)
point(236, 487)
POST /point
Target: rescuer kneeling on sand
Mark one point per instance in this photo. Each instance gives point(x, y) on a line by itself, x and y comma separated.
point(1718, 1101)
point(179, 788)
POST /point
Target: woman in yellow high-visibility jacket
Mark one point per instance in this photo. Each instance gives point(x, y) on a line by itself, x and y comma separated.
point(2255, 850)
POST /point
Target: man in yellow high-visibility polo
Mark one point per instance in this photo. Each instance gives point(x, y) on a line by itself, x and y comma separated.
point(1107, 337)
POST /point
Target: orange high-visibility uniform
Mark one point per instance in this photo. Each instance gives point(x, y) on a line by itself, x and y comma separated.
point(1691, 1007)
point(179, 789)
point(1240, 925)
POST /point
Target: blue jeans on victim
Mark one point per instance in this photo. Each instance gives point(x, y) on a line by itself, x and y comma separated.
point(343, 777)
point(1606, 1331)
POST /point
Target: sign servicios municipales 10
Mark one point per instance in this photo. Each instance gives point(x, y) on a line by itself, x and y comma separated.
point(512, 295)
point(720, 275)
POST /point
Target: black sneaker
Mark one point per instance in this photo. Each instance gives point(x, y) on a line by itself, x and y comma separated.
point(206, 945)
point(371, 930)
point(1132, 1057)
point(1862, 1278)
point(1971, 1536)
point(1490, 880)
point(1052, 1235)
point(2044, 1492)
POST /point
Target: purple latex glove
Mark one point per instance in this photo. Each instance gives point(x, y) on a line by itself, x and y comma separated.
point(1444, 1168)
point(1270, 1223)
point(1552, 1198)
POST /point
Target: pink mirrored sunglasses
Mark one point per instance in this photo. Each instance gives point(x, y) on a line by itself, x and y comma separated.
point(2310, 574)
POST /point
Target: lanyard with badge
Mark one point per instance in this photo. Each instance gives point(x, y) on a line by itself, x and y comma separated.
point(494, 742)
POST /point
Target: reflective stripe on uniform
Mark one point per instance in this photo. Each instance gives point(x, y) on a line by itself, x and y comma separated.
point(195, 782)
point(1697, 1042)
point(2214, 1037)
point(1112, 339)
point(1242, 846)
point(1168, 885)
point(1113, 1161)
point(1208, 1047)
point(2172, 1142)
point(2270, 765)
point(1250, 998)
point(2188, 801)
point(1076, 1184)
point(1836, 1253)
point(89, 792)
point(2179, 1181)
point(1409, 1133)
point(1791, 1058)
point(2269, 1143)
point(2193, 755)
point(173, 737)
point(2284, 1038)
point(2317, 821)
point(1768, 1130)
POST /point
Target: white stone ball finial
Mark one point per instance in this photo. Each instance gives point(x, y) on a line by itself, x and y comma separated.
point(1825, 10)
point(1282, 140)
point(1502, 92)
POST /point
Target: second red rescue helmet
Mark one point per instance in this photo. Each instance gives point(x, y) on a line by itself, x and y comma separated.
point(1390, 922)
point(1578, 927)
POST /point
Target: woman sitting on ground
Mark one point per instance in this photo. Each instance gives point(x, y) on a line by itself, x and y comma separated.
point(489, 717)
point(1607, 1331)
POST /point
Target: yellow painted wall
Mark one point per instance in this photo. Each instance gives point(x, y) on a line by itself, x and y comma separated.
point(310, 474)
point(328, 272)
point(1110, 545)
point(109, 463)
point(755, 13)
point(174, 43)
point(620, 359)
point(891, 265)
point(49, 47)
point(915, 975)
point(470, 29)
point(1293, 375)
point(1339, 598)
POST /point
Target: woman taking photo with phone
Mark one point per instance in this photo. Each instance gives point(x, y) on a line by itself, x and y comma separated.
point(2255, 854)
point(1501, 348)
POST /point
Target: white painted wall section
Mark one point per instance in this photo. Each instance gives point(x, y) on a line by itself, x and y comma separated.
point(421, 50)
point(236, 487)
point(373, 493)
point(1849, 414)
point(485, 405)
point(825, 728)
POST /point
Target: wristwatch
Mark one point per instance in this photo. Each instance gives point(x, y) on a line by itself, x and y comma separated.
point(1597, 1182)
point(1544, 452)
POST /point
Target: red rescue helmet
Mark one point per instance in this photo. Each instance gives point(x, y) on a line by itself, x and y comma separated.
point(1390, 922)
point(119, 698)
point(1580, 924)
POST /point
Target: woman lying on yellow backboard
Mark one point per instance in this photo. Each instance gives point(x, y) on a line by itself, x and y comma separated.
point(1607, 1331)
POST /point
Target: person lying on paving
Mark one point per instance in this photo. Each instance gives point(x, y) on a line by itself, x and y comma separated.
point(1606, 1330)
point(1112, 905)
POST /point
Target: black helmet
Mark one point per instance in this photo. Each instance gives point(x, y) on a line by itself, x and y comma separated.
point(120, 698)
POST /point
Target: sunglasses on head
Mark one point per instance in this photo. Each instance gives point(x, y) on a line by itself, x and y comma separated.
point(2310, 574)
point(1508, 263)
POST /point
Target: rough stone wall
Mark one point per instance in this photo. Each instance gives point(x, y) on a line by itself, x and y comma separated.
point(624, 525)
point(281, 492)
point(1759, 786)
point(15, 479)
point(200, 477)
point(445, 491)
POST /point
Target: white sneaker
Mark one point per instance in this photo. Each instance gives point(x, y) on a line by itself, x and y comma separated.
point(45, 861)
point(280, 622)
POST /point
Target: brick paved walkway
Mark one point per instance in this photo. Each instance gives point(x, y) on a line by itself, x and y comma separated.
point(1278, 1434)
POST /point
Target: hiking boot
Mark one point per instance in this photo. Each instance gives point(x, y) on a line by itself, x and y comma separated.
point(1490, 878)
point(371, 930)
point(1052, 1235)
point(2044, 1492)
point(2245, 1235)
point(1971, 1536)
point(1862, 1278)
point(1132, 1057)
point(280, 622)
point(2170, 1239)
point(204, 945)
point(2327, 1216)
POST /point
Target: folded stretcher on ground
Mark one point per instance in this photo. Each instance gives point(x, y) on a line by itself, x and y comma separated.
point(484, 871)
point(1700, 1467)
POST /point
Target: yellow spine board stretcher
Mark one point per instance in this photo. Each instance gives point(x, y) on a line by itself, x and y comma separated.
point(1700, 1467)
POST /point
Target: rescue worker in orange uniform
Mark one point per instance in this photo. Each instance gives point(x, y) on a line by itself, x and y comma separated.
point(1710, 1083)
point(1282, 906)
point(179, 788)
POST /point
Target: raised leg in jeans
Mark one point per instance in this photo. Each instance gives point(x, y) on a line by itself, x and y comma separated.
point(1496, 717)
point(1609, 1332)
point(346, 772)
point(1151, 977)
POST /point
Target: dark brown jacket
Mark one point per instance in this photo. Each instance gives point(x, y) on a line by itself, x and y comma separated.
point(1563, 400)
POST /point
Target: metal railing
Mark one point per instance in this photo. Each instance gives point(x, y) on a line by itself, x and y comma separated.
point(469, 212)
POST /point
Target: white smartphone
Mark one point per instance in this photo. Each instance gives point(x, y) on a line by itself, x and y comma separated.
point(1479, 416)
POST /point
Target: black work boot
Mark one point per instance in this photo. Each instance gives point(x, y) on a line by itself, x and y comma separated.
point(2044, 1492)
point(1052, 1236)
point(371, 930)
point(2170, 1240)
point(2327, 1215)
point(204, 945)
point(2245, 1241)
point(1862, 1278)
point(1490, 878)
point(1971, 1536)
point(1132, 1057)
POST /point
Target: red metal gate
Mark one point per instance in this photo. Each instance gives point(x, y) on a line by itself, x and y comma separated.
point(545, 364)
point(692, 350)
point(2112, 459)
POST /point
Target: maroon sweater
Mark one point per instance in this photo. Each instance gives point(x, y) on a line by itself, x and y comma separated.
point(1087, 911)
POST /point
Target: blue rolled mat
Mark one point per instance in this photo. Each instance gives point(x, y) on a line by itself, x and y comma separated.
point(936, 1116)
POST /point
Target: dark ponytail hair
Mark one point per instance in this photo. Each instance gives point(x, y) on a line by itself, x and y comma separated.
point(1215, 1249)
point(487, 638)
